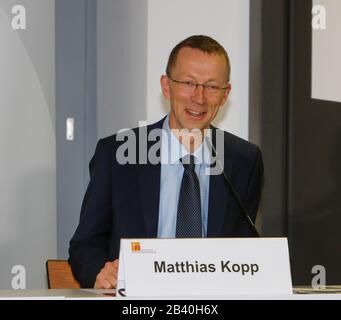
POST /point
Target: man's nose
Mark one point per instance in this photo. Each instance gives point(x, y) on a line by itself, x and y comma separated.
point(199, 94)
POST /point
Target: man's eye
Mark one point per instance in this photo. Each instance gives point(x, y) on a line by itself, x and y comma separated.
point(189, 83)
point(211, 87)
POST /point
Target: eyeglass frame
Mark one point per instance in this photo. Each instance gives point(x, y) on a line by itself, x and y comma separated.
point(204, 86)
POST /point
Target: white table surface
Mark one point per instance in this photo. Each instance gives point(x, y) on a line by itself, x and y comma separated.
point(305, 293)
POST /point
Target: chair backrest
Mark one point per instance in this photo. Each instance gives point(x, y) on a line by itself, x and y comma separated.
point(60, 276)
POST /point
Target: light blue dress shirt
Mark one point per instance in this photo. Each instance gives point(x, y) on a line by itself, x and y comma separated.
point(171, 175)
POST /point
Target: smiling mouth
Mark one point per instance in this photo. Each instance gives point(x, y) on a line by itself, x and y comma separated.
point(195, 113)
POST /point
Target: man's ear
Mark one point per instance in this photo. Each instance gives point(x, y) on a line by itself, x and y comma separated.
point(226, 94)
point(164, 81)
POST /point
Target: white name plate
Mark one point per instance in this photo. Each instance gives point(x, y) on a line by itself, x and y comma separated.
point(187, 267)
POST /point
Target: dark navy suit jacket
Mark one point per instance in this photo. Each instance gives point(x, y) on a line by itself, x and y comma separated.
point(122, 201)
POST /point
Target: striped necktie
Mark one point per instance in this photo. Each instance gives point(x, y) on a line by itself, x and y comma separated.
point(189, 220)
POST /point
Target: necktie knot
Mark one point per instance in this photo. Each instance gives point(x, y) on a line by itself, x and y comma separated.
point(188, 162)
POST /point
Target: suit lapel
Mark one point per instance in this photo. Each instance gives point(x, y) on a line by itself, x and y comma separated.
point(149, 180)
point(218, 194)
point(218, 200)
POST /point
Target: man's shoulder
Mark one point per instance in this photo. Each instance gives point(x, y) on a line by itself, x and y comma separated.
point(110, 144)
point(126, 132)
point(235, 146)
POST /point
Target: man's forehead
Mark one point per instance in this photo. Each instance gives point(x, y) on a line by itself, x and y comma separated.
point(188, 54)
point(191, 57)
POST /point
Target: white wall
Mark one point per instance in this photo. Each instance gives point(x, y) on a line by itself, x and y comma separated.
point(121, 64)
point(227, 21)
point(27, 143)
point(326, 53)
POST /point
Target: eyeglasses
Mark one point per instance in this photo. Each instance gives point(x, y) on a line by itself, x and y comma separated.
point(189, 86)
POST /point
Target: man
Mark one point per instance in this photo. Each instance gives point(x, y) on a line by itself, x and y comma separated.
point(173, 198)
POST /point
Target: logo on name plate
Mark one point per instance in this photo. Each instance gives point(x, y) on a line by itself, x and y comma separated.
point(135, 246)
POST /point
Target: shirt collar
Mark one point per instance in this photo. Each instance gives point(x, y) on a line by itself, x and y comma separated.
point(172, 150)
